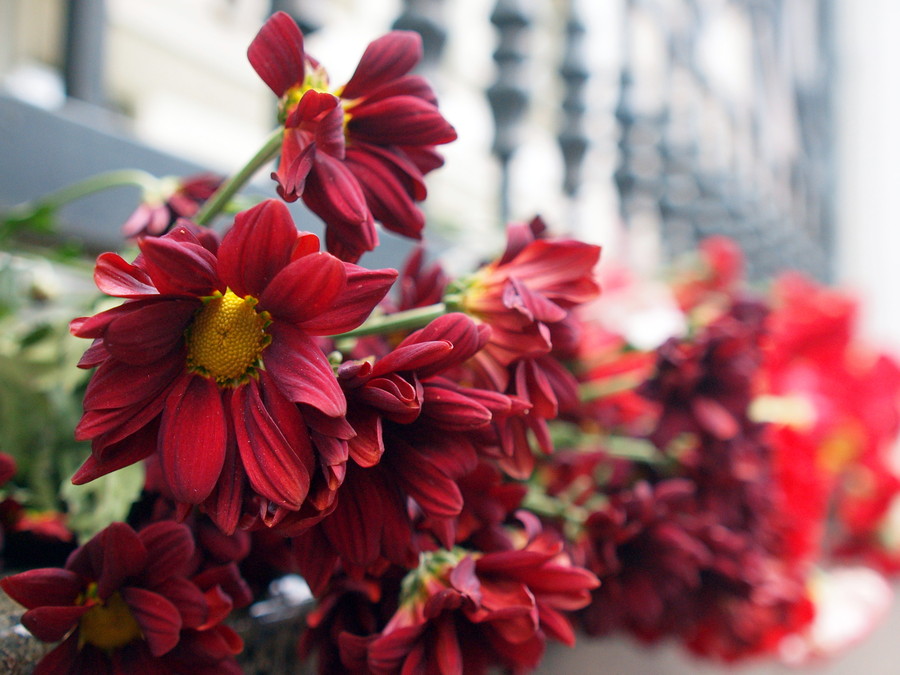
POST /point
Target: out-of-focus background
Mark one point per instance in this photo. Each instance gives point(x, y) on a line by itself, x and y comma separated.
point(643, 125)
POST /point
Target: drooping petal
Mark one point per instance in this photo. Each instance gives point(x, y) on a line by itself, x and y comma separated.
point(276, 53)
point(386, 195)
point(121, 279)
point(133, 449)
point(159, 619)
point(45, 586)
point(294, 164)
point(304, 289)
point(225, 502)
point(302, 372)
point(192, 439)
point(333, 193)
point(62, 658)
point(355, 526)
point(257, 247)
point(273, 467)
point(387, 58)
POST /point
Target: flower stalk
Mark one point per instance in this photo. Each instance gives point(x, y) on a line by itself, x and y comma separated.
point(219, 201)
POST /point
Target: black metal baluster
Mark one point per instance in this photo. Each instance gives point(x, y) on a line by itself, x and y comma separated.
point(508, 95)
point(572, 138)
point(426, 18)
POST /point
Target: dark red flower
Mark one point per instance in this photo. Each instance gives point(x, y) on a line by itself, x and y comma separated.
point(359, 153)
point(470, 612)
point(210, 354)
point(417, 435)
point(124, 603)
point(531, 287)
point(647, 550)
point(177, 198)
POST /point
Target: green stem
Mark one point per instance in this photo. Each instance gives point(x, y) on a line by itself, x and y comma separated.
point(86, 187)
point(229, 188)
point(388, 323)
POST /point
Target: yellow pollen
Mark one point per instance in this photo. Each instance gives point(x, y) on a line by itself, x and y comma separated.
point(226, 338)
point(109, 625)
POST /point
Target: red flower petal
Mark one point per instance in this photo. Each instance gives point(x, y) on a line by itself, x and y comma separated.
point(187, 598)
point(192, 439)
point(257, 247)
point(45, 586)
point(387, 58)
point(276, 53)
point(355, 526)
point(400, 120)
point(170, 546)
point(134, 448)
point(333, 193)
point(225, 503)
point(363, 291)
point(158, 618)
point(50, 624)
point(304, 289)
point(63, 659)
point(113, 555)
point(294, 165)
point(302, 372)
point(387, 195)
point(273, 466)
point(149, 333)
point(121, 279)
point(178, 267)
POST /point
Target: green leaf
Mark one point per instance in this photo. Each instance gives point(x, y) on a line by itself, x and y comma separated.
point(108, 499)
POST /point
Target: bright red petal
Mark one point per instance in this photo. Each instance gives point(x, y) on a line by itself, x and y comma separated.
point(179, 268)
point(121, 279)
point(257, 247)
point(149, 333)
point(385, 59)
point(304, 289)
point(276, 53)
point(361, 294)
point(400, 120)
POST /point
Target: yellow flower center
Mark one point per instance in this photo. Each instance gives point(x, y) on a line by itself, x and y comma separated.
point(226, 339)
point(315, 78)
point(108, 625)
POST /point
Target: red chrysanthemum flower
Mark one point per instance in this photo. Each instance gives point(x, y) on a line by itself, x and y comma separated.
point(359, 153)
point(530, 289)
point(177, 198)
point(123, 603)
point(469, 612)
point(209, 356)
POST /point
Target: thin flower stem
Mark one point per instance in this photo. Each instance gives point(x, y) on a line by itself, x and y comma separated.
point(219, 201)
point(88, 186)
point(388, 323)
